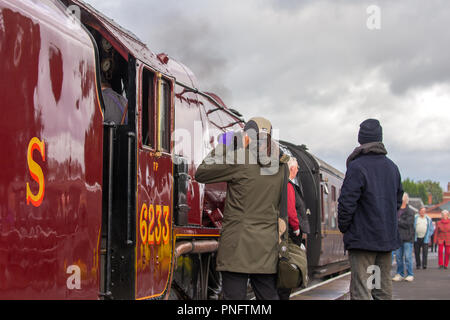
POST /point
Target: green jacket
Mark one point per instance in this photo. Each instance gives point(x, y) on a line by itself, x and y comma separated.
point(249, 236)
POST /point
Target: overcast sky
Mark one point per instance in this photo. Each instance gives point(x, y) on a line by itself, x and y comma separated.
point(315, 68)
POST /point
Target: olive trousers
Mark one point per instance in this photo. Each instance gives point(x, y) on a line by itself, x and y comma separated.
point(370, 275)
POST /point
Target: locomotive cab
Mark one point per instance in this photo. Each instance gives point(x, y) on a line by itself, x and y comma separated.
point(116, 95)
point(113, 71)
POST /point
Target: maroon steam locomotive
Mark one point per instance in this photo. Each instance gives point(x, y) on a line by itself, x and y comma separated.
point(92, 209)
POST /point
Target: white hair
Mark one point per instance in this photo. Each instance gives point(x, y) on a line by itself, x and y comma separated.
point(292, 162)
point(405, 197)
point(443, 212)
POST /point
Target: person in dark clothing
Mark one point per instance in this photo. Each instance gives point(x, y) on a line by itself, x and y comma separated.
point(370, 196)
point(404, 254)
point(298, 224)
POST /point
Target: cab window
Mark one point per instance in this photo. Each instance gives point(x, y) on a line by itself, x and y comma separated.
point(148, 109)
point(164, 114)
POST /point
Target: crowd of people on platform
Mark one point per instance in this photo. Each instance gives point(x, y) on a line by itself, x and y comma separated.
point(264, 217)
point(419, 233)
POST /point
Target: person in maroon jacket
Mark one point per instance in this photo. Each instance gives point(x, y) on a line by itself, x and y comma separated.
point(296, 231)
point(443, 240)
point(294, 223)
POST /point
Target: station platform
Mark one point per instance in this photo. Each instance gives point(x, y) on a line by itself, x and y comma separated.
point(332, 289)
point(429, 284)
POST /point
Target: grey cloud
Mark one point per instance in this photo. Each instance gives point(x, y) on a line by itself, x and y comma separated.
point(192, 42)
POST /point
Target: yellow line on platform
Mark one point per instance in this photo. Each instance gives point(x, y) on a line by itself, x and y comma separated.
point(318, 285)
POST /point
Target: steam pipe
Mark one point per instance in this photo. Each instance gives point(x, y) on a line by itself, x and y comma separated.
point(195, 246)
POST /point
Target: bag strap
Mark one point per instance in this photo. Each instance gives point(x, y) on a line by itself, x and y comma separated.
point(283, 216)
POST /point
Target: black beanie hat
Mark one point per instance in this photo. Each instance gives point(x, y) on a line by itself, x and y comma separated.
point(370, 131)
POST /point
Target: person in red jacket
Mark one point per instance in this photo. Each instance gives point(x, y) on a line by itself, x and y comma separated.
point(294, 224)
point(443, 239)
point(295, 229)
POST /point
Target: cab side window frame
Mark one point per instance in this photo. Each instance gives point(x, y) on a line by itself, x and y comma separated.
point(165, 114)
point(149, 104)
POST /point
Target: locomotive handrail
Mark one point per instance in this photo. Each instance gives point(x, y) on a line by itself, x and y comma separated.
point(223, 109)
point(111, 128)
point(219, 107)
point(232, 124)
point(213, 110)
point(131, 138)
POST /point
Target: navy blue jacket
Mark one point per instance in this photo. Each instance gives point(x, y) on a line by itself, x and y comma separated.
point(370, 198)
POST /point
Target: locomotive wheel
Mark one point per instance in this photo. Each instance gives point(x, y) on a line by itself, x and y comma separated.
point(191, 283)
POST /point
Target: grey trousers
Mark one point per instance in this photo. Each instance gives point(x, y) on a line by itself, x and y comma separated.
point(370, 275)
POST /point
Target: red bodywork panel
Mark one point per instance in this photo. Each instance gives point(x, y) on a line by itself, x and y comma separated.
point(51, 177)
point(52, 157)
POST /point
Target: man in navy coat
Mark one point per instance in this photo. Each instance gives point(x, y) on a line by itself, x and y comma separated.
point(370, 197)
